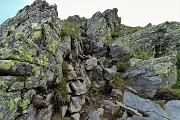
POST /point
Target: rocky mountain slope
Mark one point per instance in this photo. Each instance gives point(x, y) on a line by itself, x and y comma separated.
point(87, 69)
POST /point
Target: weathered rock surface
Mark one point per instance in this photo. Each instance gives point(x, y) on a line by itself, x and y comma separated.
point(152, 110)
point(173, 109)
point(157, 40)
point(147, 76)
point(100, 25)
point(47, 66)
point(27, 58)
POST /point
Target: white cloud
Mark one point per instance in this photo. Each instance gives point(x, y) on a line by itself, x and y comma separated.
point(132, 12)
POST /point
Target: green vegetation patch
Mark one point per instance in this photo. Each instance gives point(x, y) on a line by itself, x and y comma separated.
point(60, 92)
point(167, 94)
point(122, 30)
point(70, 29)
point(119, 83)
point(96, 75)
point(65, 67)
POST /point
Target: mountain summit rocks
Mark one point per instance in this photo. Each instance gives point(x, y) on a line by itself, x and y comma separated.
point(28, 62)
point(53, 69)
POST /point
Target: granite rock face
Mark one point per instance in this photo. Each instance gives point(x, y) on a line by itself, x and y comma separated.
point(47, 66)
point(100, 26)
point(146, 76)
point(152, 110)
point(154, 41)
point(173, 109)
point(28, 59)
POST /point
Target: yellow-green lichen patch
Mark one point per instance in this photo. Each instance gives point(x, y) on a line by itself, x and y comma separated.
point(17, 54)
point(6, 64)
point(38, 27)
point(36, 71)
point(16, 86)
point(42, 60)
point(162, 68)
point(1, 115)
point(2, 86)
point(25, 103)
point(37, 34)
point(52, 46)
point(11, 104)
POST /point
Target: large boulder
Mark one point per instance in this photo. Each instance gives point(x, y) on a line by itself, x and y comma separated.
point(173, 109)
point(150, 110)
point(146, 76)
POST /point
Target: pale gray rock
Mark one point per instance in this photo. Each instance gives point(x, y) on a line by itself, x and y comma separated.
point(116, 93)
point(108, 73)
point(154, 111)
point(94, 115)
point(110, 106)
point(173, 109)
point(76, 116)
point(78, 87)
point(90, 63)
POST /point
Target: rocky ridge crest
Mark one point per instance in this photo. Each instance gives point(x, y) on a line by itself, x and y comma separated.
point(87, 69)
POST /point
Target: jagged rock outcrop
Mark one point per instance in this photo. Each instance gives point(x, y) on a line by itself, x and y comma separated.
point(100, 26)
point(146, 76)
point(158, 40)
point(47, 66)
point(28, 60)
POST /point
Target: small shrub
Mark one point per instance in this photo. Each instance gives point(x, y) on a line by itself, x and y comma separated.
point(119, 83)
point(74, 55)
point(60, 92)
point(160, 102)
point(96, 75)
point(65, 67)
point(122, 30)
point(178, 60)
point(143, 55)
point(167, 94)
point(123, 66)
point(107, 62)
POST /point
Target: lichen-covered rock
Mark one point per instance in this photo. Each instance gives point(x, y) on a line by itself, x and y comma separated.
point(158, 40)
point(100, 26)
point(28, 49)
point(146, 76)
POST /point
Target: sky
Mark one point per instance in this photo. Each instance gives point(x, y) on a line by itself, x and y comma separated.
point(132, 12)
